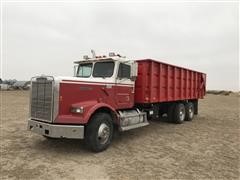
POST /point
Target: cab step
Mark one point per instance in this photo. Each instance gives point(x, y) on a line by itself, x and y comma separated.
point(131, 119)
point(126, 128)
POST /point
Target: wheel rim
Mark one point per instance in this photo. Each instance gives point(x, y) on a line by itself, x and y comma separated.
point(103, 133)
point(190, 111)
point(182, 114)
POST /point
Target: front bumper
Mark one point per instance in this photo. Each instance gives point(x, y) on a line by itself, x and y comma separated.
point(56, 130)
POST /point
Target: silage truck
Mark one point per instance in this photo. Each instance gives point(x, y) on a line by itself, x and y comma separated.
point(110, 93)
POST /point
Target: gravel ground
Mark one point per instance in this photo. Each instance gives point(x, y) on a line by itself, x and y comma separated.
point(206, 148)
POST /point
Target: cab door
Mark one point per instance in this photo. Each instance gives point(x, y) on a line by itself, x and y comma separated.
point(124, 87)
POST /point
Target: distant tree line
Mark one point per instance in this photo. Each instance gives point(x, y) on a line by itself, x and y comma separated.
point(13, 84)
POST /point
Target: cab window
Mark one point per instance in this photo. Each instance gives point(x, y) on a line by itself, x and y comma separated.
point(103, 69)
point(124, 71)
point(84, 70)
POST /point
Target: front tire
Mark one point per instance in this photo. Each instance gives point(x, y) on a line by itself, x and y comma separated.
point(99, 132)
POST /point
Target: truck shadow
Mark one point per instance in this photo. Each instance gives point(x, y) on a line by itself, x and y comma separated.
point(162, 119)
point(60, 145)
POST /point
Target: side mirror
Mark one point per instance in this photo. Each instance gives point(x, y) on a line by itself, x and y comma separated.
point(134, 71)
point(75, 68)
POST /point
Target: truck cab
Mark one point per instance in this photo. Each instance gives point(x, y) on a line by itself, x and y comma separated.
point(117, 74)
point(88, 105)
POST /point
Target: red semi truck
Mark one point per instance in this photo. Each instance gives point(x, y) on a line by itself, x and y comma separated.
point(110, 93)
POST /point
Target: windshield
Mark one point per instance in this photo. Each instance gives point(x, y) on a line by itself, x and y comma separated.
point(103, 69)
point(84, 70)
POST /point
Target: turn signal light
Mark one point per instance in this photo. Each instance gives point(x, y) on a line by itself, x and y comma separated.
point(78, 110)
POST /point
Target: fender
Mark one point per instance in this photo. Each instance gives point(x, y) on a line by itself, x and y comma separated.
point(89, 108)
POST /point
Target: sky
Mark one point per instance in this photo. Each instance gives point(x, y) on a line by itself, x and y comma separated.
point(45, 38)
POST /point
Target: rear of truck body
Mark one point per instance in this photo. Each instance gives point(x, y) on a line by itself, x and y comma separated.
point(160, 82)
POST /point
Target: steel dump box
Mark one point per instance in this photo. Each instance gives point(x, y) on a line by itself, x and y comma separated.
point(161, 82)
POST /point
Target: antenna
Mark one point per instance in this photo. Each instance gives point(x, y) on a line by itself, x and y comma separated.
point(93, 53)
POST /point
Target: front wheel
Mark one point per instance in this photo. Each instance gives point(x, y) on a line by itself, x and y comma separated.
point(99, 132)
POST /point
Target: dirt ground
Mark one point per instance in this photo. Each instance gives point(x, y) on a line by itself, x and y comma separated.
point(206, 148)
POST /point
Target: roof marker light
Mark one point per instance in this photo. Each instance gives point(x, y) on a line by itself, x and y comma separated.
point(85, 57)
point(111, 54)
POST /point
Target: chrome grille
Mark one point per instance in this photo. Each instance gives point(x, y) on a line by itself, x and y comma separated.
point(42, 99)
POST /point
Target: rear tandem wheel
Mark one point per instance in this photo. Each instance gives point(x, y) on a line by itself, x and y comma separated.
point(189, 111)
point(177, 113)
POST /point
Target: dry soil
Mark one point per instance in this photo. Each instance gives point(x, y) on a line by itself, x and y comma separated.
point(206, 148)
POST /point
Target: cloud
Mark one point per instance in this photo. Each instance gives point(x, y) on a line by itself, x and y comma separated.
point(47, 38)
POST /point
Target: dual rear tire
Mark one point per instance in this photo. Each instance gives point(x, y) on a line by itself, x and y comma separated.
point(179, 112)
point(189, 111)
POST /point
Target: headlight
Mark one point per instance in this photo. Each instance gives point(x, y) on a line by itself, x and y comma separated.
point(78, 110)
